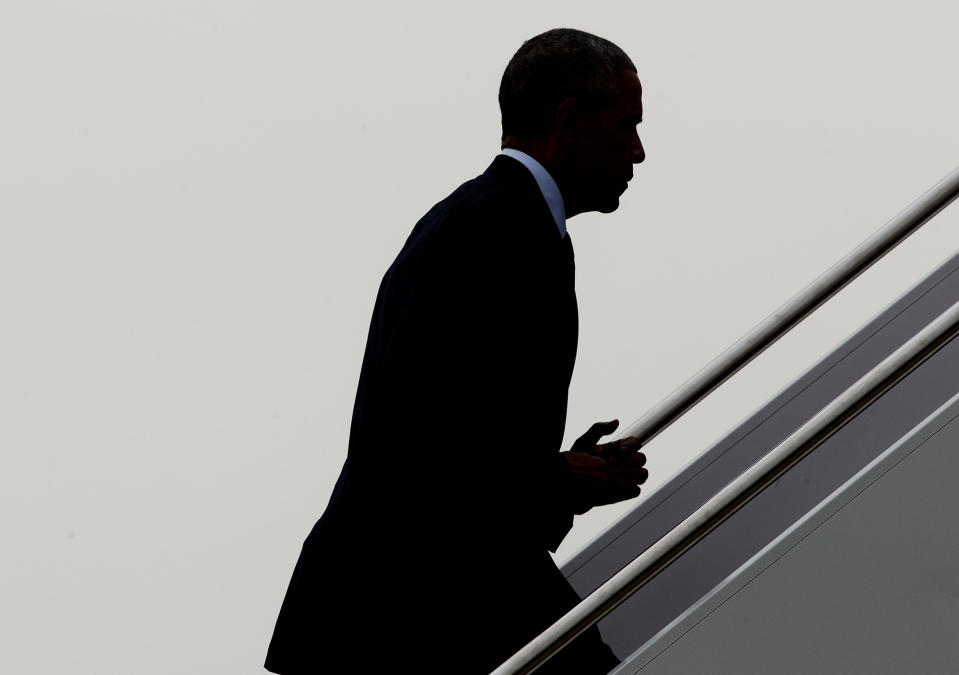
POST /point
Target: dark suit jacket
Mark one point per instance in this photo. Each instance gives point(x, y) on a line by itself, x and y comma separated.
point(433, 551)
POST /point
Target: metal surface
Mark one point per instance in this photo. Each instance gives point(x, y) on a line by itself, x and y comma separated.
point(801, 305)
point(868, 577)
point(755, 479)
point(841, 456)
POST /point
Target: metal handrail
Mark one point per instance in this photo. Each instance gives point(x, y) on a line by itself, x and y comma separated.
point(718, 371)
point(798, 308)
point(737, 493)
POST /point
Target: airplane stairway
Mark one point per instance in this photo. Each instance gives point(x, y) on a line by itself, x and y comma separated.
point(822, 533)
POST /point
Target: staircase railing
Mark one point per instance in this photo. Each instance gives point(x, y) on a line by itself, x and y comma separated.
point(755, 479)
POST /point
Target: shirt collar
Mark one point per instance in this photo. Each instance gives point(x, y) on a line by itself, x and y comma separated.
point(547, 186)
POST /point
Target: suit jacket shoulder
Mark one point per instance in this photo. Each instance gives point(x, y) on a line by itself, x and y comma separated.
point(500, 213)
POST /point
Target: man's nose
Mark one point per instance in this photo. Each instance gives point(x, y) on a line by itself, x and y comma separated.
point(639, 152)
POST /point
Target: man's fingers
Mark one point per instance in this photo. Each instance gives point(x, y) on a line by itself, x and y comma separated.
point(623, 446)
point(585, 461)
point(603, 428)
point(587, 442)
point(598, 430)
point(633, 461)
point(630, 444)
point(634, 476)
point(606, 478)
point(591, 467)
point(620, 451)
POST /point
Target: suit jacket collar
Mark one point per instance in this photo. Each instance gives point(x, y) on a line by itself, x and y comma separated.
point(547, 186)
point(508, 171)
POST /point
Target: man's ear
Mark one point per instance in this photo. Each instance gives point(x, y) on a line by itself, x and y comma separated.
point(567, 113)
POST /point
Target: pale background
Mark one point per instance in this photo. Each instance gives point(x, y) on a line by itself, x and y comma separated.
point(198, 200)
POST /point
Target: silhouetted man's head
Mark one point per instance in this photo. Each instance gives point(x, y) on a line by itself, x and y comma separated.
point(572, 100)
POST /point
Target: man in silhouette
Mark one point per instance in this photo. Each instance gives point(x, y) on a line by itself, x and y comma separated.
point(433, 553)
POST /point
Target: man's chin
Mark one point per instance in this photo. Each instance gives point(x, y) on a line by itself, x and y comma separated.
point(609, 205)
point(607, 200)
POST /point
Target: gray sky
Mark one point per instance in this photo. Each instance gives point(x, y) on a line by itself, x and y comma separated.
point(197, 203)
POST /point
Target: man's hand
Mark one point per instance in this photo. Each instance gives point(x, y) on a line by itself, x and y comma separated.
point(604, 473)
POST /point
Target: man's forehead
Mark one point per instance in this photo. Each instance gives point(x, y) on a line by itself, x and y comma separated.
point(629, 94)
point(630, 86)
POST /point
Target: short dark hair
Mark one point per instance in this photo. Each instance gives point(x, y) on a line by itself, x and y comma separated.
point(551, 67)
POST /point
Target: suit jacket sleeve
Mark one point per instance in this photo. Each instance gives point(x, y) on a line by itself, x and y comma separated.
point(484, 347)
